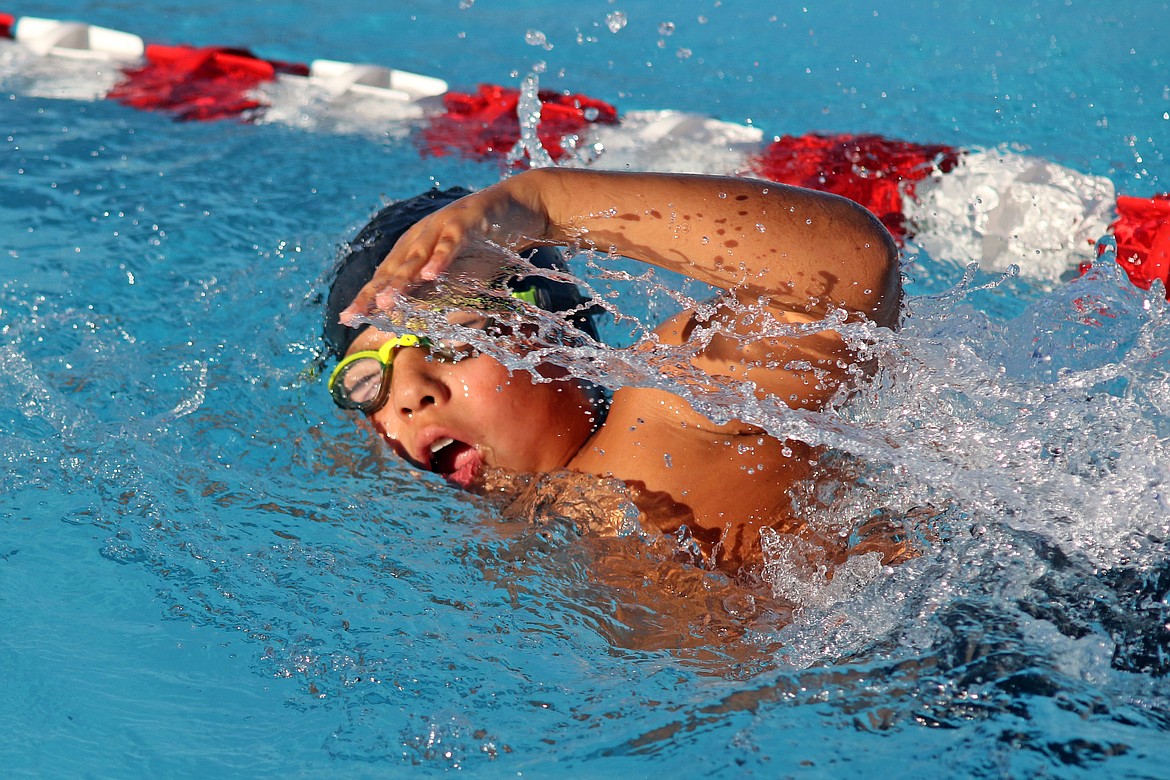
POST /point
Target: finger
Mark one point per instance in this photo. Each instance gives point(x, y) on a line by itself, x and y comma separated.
point(422, 263)
point(389, 277)
point(441, 254)
point(394, 275)
point(421, 254)
point(360, 308)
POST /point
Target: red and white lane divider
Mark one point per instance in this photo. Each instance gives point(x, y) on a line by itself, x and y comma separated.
point(994, 206)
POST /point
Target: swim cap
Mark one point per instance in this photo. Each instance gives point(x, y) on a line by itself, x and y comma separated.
point(374, 241)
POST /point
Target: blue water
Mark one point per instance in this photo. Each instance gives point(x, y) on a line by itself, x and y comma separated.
point(205, 569)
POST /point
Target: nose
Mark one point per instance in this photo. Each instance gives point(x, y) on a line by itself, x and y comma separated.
point(414, 385)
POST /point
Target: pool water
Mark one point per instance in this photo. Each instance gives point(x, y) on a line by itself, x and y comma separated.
point(205, 568)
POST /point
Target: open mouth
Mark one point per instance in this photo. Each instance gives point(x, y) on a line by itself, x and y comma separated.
point(455, 460)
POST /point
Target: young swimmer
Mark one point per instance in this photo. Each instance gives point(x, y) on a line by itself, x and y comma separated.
point(794, 253)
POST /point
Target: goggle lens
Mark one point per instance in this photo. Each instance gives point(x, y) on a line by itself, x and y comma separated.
point(360, 380)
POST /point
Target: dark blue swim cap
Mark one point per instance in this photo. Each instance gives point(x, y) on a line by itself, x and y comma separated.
point(373, 242)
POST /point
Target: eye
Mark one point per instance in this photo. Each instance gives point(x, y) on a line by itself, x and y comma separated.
point(362, 380)
point(452, 351)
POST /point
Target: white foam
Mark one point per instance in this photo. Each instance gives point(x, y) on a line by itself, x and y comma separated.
point(1000, 207)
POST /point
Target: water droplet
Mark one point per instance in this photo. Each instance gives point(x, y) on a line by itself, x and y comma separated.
point(537, 38)
point(666, 29)
point(615, 21)
point(120, 550)
point(84, 514)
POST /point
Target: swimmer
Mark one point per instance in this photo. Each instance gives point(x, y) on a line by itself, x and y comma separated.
point(793, 253)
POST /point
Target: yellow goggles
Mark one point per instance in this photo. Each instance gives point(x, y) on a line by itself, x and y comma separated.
point(362, 380)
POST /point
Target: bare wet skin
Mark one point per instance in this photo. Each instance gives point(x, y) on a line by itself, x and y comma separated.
point(640, 590)
point(652, 584)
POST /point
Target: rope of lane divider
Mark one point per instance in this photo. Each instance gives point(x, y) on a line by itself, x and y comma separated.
point(948, 199)
point(209, 83)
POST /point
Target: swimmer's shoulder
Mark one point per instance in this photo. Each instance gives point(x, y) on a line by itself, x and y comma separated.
point(656, 437)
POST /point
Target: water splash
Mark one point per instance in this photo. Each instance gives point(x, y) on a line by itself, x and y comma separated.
point(1010, 442)
point(537, 38)
point(528, 147)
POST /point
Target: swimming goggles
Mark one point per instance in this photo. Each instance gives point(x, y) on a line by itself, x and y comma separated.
point(361, 381)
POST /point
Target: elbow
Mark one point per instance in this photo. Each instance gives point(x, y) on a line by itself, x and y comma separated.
point(887, 306)
point(878, 278)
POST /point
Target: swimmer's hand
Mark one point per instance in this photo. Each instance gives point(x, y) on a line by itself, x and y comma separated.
point(508, 214)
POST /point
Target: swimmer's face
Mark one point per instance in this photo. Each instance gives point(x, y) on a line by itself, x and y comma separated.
point(455, 418)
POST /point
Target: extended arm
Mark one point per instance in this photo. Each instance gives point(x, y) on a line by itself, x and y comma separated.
point(801, 249)
point(801, 252)
point(797, 247)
